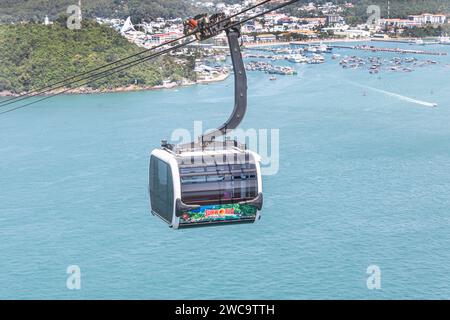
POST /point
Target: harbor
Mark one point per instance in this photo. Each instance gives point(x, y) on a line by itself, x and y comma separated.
point(270, 68)
point(392, 50)
point(375, 65)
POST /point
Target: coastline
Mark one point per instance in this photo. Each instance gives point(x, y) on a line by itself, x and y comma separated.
point(131, 88)
point(204, 81)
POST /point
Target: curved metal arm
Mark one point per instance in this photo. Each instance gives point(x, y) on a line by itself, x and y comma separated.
point(240, 93)
point(240, 89)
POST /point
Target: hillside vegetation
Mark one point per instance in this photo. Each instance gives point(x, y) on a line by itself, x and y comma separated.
point(36, 10)
point(34, 56)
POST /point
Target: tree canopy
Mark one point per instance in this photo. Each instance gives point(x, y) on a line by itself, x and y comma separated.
point(34, 55)
point(36, 10)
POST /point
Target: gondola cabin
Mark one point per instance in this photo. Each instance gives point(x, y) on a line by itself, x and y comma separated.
point(204, 188)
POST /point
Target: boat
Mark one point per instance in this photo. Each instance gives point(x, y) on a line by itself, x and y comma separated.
point(297, 58)
point(316, 59)
point(311, 49)
point(444, 40)
point(273, 78)
point(420, 42)
point(323, 48)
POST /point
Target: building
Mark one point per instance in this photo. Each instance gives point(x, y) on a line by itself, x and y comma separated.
point(353, 33)
point(47, 21)
point(266, 37)
point(313, 21)
point(380, 36)
point(128, 26)
point(334, 18)
point(247, 39)
point(428, 18)
point(164, 37)
point(399, 23)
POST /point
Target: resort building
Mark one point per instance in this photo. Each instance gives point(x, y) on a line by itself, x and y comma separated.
point(353, 33)
point(428, 18)
point(399, 23)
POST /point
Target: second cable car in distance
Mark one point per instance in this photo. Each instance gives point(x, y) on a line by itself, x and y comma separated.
point(209, 182)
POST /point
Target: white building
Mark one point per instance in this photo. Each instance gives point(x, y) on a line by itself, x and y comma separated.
point(164, 37)
point(399, 23)
point(428, 18)
point(46, 21)
point(353, 33)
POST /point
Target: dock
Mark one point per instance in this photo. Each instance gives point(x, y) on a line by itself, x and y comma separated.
point(392, 50)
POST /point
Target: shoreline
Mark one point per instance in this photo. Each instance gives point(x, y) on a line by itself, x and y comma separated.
point(186, 83)
point(131, 88)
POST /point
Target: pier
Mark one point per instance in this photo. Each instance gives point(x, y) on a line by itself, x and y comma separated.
point(392, 50)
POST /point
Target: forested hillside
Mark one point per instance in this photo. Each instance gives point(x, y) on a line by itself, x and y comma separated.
point(36, 10)
point(398, 8)
point(34, 55)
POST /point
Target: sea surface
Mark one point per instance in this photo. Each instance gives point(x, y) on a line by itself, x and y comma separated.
point(363, 180)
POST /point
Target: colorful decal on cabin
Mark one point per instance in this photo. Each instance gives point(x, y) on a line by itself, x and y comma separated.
point(224, 212)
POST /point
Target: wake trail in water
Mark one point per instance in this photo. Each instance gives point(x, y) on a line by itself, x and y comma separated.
point(398, 96)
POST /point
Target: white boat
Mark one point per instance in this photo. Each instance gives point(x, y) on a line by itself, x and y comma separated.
point(311, 49)
point(297, 58)
point(420, 42)
point(444, 40)
point(316, 59)
point(323, 48)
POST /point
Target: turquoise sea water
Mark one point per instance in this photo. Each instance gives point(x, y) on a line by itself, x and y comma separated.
point(364, 179)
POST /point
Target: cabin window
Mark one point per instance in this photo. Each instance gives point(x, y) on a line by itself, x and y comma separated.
point(161, 188)
point(218, 184)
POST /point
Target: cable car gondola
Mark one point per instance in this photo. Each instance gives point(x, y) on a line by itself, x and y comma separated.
point(209, 182)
